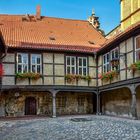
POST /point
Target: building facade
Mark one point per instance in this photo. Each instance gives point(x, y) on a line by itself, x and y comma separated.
point(58, 66)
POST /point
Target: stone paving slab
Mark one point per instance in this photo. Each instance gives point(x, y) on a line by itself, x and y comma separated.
point(71, 128)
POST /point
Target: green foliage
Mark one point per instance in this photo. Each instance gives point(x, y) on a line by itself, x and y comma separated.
point(71, 78)
point(31, 75)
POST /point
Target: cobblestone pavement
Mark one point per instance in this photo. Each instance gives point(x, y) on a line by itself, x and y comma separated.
point(71, 128)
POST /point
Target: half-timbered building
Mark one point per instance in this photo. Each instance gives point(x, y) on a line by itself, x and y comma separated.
point(55, 66)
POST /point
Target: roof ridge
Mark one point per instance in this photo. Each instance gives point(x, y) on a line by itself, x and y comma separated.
point(45, 17)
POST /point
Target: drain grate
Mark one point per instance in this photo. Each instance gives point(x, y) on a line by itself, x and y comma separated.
point(81, 119)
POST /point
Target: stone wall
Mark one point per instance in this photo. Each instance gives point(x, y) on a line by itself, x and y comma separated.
point(116, 102)
point(138, 101)
point(72, 106)
point(12, 105)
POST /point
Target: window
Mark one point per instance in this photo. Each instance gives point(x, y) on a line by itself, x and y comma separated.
point(71, 65)
point(22, 63)
point(82, 66)
point(114, 56)
point(137, 48)
point(62, 101)
point(36, 63)
point(106, 63)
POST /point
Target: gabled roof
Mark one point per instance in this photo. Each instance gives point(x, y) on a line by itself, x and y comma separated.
point(130, 31)
point(65, 34)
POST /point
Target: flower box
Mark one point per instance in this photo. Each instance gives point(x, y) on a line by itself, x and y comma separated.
point(109, 75)
point(71, 78)
point(31, 75)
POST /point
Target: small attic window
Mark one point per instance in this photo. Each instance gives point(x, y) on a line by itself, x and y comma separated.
point(52, 38)
point(91, 42)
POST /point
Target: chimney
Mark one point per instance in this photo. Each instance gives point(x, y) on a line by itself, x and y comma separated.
point(38, 12)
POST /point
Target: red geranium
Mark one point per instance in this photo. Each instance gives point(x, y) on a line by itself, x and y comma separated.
point(1, 70)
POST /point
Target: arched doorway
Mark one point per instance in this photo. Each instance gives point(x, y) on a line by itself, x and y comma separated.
point(30, 106)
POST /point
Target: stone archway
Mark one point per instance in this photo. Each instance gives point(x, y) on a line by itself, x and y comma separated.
point(30, 106)
point(116, 102)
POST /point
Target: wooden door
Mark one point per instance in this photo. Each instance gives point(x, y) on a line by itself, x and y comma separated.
point(30, 106)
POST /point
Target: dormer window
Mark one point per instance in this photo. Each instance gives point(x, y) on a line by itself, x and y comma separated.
point(137, 48)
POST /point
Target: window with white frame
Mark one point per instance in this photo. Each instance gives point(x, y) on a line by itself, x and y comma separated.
point(22, 63)
point(82, 66)
point(114, 56)
point(70, 65)
point(137, 48)
point(106, 62)
point(36, 63)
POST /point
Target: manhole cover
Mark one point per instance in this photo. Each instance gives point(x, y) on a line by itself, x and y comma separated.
point(80, 119)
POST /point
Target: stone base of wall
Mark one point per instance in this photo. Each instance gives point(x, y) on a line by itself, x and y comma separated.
point(116, 103)
point(13, 104)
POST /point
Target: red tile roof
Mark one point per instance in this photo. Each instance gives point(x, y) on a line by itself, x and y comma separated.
point(121, 35)
point(50, 33)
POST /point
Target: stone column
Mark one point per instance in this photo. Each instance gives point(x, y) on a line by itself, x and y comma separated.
point(134, 106)
point(133, 109)
point(54, 106)
point(98, 104)
point(54, 92)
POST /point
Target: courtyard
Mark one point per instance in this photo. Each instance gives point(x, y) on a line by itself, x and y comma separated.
point(70, 128)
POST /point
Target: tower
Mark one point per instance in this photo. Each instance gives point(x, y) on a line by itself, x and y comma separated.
point(94, 20)
point(130, 12)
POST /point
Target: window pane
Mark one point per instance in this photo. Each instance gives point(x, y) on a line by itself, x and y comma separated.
point(84, 62)
point(68, 60)
point(68, 70)
point(113, 54)
point(33, 68)
point(107, 57)
point(107, 67)
point(73, 70)
point(73, 61)
point(19, 68)
point(116, 53)
point(84, 71)
point(24, 68)
point(38, 69)
point(80, 71)
point(138, 43)
point(33, 59)
point(19, 58)
point(80, 62)
point(138, 55)
point(38, 60)
point(104, 59)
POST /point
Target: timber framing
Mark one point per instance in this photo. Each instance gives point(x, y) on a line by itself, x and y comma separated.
point(40, 88)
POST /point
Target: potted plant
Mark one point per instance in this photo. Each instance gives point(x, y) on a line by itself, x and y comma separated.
point(108, 76)
point(135, 66)
point(115, 62)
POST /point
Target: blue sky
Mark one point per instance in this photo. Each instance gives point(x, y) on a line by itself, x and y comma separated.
point(108, 11)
